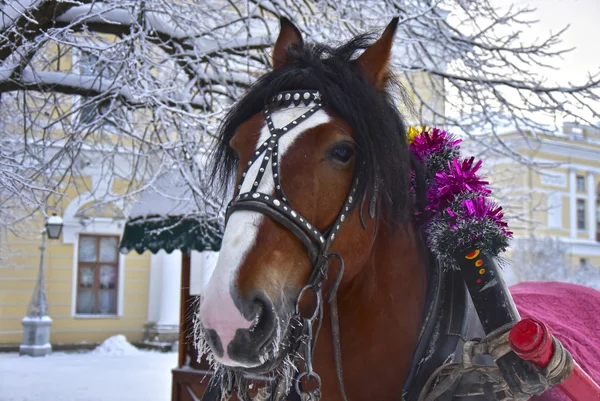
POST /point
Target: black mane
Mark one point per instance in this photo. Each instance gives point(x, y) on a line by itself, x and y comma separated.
point(378, 128)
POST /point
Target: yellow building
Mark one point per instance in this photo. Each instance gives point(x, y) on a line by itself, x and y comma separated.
point(560, 197)
point(93, 291)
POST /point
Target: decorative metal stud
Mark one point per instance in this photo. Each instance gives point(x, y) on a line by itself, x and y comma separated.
point(278, 187)
point(285, 128)
point(349, 199)
point(294, 214)
point(256, 195)
point(276, 202)
point(332, 236)
point(275, 175)
point(296, 96)
point(266, 197)
point(308, 225)
point(287, 96)
point(243, 174)
point(285, 208)
point(279, 97)
point(306, 95)
point(256, 183)
point(262, 170)
point(343, 218)
point(266, 157)
point(322, 239)
point(317, 96)
point(303, 116)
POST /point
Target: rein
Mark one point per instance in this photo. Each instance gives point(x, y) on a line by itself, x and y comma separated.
point(317, 243)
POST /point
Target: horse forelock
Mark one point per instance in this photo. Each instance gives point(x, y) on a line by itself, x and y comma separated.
point(378, 129)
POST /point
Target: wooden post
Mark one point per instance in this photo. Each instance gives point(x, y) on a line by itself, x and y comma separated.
point(183, 307)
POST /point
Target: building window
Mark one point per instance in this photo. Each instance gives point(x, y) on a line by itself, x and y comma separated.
point(598, 214)
point(97, 110)
point(580, 183)
point(97, 275)
point(580, 214)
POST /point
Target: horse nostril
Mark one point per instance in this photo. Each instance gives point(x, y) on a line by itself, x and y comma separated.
point(260, 308)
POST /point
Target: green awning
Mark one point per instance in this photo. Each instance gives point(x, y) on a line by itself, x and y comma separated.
point(169, 233)
point(169, 216)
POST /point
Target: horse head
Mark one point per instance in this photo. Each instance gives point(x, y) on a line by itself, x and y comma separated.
point(321, 165)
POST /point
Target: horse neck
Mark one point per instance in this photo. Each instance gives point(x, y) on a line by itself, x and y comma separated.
point(380, 315)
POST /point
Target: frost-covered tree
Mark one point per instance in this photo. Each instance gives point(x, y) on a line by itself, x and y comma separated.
point(547, 259)
point(132, 88)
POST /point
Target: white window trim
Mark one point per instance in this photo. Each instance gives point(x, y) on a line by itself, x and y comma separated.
point(98, 226)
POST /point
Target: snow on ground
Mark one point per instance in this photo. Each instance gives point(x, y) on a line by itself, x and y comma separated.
point(112, 372)
point(116, 346)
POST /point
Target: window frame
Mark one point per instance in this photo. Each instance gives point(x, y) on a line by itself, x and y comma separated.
point(597, 213)
point(96, 284)
point(578, 210)
point(580, 183)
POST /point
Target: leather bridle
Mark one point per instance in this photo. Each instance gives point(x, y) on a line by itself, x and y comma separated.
point(277, 207)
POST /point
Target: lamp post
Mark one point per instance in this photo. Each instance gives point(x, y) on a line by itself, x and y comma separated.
point(36, 324)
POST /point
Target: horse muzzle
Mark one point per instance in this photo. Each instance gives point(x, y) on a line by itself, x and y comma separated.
point(242, 334)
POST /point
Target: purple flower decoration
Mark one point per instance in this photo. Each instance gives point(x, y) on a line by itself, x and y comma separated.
point(433, 141)
point(460, 177)
point(484, 208)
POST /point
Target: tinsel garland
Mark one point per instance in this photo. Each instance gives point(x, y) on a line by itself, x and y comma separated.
point(460, 213)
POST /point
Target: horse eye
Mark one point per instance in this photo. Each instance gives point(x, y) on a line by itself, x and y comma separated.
point(342, 153)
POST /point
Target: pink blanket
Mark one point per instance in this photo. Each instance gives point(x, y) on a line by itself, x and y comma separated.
point(572, 313)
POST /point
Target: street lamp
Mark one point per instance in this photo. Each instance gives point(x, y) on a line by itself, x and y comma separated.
point(54, 225)
point(36, 324)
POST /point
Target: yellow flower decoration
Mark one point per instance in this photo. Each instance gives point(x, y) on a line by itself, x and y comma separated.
point(415, 130)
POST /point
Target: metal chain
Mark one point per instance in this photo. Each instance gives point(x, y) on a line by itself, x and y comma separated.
point(308, 340)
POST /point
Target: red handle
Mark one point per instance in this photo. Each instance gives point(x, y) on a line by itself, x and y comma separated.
point(531, 340)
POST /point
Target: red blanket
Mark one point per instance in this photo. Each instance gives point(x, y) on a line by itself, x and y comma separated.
point(572, 313)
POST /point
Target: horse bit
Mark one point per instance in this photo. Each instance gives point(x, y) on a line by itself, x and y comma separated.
point(317, 243)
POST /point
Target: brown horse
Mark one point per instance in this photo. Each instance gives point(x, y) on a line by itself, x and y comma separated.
point(263, 266)
point(322, 170)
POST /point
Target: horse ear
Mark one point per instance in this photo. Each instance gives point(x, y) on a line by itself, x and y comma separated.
point(374, 61)
point(289, 38)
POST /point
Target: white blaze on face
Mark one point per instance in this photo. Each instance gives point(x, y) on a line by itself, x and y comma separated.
point(218, 311)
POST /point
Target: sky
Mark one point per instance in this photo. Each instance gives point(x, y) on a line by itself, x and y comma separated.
point(583, 16)
point(583, 19)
